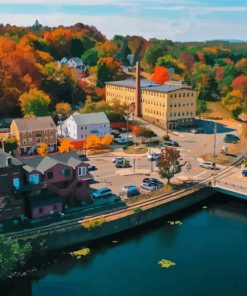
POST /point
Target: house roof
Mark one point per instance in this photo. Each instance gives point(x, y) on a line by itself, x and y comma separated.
point(146, 84)
point(77, 60)
point(90, 118)
point(35, 123)
point(3, 160)
point(42, 164)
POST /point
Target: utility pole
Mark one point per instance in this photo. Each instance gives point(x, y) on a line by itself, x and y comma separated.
point(60, 123)
point(215, 135)
point(127, 126)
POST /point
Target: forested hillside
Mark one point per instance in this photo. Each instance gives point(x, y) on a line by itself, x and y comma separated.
point(28, 67)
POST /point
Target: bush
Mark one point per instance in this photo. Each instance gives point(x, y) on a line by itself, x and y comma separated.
point(93, 224)
point(166, 137)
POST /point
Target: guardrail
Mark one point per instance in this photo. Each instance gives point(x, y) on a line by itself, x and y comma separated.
point(231, 185)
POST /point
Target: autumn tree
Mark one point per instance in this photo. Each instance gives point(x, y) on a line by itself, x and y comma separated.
point(160, 75)
point(65, 146)
point(93, 142)
point(169, 164)
point(64, 109)
point(153, 52)
point(240, 83)
point(42, 149)
point(144, 132)
point(35, 102)
point(90, 57)
point(106, 140)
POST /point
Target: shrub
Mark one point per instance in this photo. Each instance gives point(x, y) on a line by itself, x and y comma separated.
point(166, 137)
point(93, 224)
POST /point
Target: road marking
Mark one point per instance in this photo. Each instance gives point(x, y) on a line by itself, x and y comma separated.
point(200, 174)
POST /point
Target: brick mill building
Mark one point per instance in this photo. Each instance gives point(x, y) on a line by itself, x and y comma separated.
point(170, 105)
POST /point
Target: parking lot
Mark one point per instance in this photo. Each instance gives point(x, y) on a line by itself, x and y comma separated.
point(191, 148)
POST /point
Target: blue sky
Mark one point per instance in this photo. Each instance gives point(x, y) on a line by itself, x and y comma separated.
point(182, 20)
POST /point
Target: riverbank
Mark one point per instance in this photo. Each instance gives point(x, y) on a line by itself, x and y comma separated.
point(70, 234)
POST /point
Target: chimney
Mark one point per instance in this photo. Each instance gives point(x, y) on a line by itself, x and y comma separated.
point(138, 91)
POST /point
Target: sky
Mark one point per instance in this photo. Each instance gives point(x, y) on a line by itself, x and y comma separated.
point(178, 20)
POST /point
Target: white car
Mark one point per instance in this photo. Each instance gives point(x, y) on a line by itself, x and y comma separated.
point(118, 159)
point(153, 156)
point(208, 165)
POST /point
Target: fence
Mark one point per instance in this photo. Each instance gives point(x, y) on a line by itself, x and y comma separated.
point(231, 185)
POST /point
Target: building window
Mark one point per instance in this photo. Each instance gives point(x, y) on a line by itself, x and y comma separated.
point(191, 104)
point(40, 210)
point(24, 142)
point(51, 139)
point(30, 140)
point(34, 179)
point(65, 172)
point(81, 128)
point(46, 139)
point(178, 113)
point(170, 114)
point(16, 183)
point(49, 175)
point(51, 131)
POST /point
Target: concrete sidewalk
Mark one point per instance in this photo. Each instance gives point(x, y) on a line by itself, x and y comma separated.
point(130, 171)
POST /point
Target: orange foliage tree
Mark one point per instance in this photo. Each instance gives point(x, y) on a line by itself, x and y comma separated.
point(64, 109)
point(160, 75)
point(240, 83)
point(93, 142)
point(42, 149)
point(106, 140)
point(65, 146)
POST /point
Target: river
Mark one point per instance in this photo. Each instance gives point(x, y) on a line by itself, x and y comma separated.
point(209, 249)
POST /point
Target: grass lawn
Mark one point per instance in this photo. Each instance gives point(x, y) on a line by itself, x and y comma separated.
point(136, 150)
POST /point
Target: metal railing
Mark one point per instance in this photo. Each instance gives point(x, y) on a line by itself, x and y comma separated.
point(231, 185)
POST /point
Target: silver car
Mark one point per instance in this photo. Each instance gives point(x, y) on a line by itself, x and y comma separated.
point(208, 165)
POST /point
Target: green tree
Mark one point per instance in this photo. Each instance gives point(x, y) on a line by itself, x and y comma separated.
point(90, 57)
point(169, 164)
point(35, 102)
point(153, 52)
point(12, 255)
point(10, 145)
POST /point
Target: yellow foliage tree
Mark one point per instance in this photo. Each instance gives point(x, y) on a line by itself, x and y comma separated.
point(35, 102)
point(42, 149)
point(64, 109)
point(233, 100)
point(93, 142)
point(65, 146)
point(106, 141)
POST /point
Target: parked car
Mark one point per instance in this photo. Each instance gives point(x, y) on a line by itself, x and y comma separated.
point(102, 192)
point(123, 164)
point(230, 139)
point(115, 132)
point(244, 173)
point(118, 158)
point(232, 136)
point(198, 130)
point(171, 143)
point(152, 183)
point(123, 140)
point(83, 156)
point(153, 156)
point(208, 165)
point(91, 167)
point(130, 191)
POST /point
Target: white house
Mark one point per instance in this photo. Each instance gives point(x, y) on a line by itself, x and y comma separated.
point(79, 126)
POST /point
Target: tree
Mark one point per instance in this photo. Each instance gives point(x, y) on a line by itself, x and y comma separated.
point(64, 109)
point(153, 52)
point(10, 145)
point(160, 75)
point(65, 146)
point(90, 57)
point(144, 132)
point(106, 140)
point(169, 163)
point(12, 255)
point(240, 83)
point(35, 102)
point(42, 149)
point(93, 142)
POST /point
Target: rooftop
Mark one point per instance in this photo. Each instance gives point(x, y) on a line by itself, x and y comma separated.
point(35, 123)
point(42, 164)
point(3, 160)
point(150, 85)
point(90, 118)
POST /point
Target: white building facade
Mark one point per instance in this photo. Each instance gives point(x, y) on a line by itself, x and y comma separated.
point(80, 126)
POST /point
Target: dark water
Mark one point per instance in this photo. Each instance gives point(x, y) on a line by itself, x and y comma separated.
point(209, 249)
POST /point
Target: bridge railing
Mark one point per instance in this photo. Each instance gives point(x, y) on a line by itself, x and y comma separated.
point(231, 185)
